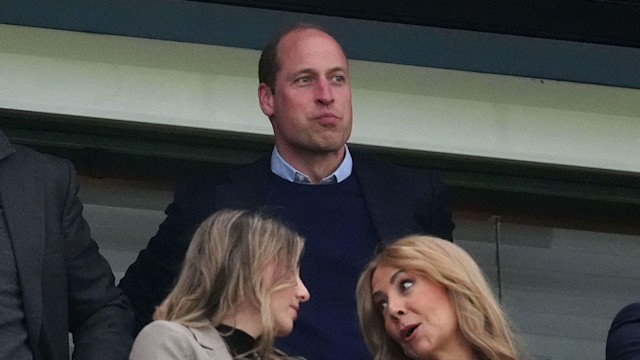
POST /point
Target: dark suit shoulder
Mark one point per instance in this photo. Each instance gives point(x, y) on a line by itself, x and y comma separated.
point(623, 340)
point(196, 197)
point(385, 166)
point(384, 174)
point(50, 172)
point(208, 180)
point(628, 314)
point(22, 153)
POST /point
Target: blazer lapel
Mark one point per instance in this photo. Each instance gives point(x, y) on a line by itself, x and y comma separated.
point(247, 186)
point(388, 207)
point(209, 338)
point(23, 203)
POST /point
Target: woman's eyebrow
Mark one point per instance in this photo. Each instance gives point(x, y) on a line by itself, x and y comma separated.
point(395, 275)
point(377, 296)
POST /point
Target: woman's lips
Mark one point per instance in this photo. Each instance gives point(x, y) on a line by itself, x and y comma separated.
point(407, 331)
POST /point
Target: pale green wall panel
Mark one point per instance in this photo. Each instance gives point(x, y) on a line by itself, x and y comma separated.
point(400, 106)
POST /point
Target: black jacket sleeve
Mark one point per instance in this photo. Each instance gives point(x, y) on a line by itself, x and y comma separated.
point(100, 317)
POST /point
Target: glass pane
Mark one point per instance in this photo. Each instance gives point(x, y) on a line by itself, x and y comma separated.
point(563, 287)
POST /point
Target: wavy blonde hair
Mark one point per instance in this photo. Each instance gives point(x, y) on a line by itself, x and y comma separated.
point(225, 266)
point(480, 318)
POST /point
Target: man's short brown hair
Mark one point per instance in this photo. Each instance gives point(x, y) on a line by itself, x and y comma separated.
point(269, 66)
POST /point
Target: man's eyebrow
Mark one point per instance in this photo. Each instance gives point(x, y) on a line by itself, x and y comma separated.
point(337, 69)
point(304, 71)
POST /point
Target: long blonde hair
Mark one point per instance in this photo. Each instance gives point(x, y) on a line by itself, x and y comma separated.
point(480, 318)
point(224, 266)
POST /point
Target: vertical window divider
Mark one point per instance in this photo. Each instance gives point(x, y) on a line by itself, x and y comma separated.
point(496, 235)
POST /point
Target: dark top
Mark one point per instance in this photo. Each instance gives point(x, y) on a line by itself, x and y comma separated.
point(238, 341)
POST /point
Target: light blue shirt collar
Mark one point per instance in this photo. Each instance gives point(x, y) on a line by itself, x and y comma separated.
point(282, 168)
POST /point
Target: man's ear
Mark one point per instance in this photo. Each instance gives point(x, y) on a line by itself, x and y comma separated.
point(265, 97)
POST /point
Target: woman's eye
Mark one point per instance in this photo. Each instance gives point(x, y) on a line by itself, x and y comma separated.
point(405, 284)
point(382, 305)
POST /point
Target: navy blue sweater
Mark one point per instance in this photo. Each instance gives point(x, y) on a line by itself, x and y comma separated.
point(340, 240)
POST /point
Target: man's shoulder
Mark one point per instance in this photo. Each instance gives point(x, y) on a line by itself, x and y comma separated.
point(622, 339)
point(241, 173)
point(24, 155)
point(29, 161)
point(381, 165)
point(630, 313)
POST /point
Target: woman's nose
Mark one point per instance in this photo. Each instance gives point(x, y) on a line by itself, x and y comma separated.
point(395, 308)
point(302, 292)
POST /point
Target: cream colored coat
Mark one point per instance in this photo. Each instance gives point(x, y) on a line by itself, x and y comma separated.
point(169, 340)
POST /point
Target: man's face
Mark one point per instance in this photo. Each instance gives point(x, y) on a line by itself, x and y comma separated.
point(310, 109)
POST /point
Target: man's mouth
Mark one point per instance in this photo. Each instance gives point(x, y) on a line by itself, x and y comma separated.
point(327, 117)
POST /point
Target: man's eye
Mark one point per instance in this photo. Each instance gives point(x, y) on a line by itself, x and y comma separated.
point(339, 78)
point(303, 80)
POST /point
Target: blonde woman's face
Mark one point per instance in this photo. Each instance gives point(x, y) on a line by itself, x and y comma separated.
point(418, 313)
point(285, 304)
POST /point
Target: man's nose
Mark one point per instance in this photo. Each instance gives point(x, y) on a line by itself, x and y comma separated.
point(324, 92)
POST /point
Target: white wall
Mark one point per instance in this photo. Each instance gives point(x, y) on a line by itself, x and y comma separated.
point(420, 108)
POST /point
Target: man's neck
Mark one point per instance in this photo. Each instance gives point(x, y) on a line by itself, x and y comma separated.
point(316, 166)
